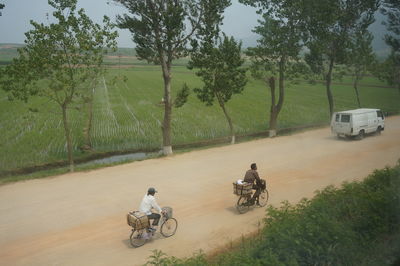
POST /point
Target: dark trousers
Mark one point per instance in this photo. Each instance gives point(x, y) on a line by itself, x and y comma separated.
point(154, 216)
point(257, 192)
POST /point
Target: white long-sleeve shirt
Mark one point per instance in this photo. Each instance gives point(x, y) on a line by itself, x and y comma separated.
point(148, 203)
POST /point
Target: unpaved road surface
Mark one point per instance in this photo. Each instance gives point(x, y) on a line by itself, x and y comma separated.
point(79, 219)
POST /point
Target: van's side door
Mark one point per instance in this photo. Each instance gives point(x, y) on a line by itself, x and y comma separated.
point(372, 122)
point(343, 124)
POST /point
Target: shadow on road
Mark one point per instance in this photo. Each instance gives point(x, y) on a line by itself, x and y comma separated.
point(233, 210)
point(127, 243)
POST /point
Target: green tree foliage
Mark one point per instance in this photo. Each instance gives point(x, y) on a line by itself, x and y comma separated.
point(361, 59)
point(390, 70)
point(219, 64)
point(330, 26)
point(1, 7)
point(181, 97)
point(60, 61)
point(391, 9)
point(162, 30)
point(277, 53)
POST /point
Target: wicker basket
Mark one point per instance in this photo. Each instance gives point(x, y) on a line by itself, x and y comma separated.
point(138, 220)
point(168, 212)
point(242, 189)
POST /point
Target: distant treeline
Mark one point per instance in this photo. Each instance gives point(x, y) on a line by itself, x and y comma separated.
point(8, 51)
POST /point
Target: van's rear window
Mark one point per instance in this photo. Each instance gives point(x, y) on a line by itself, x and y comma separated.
point(345, 118)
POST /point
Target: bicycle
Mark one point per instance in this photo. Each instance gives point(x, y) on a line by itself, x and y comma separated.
point(168, 228)
point(244, 202)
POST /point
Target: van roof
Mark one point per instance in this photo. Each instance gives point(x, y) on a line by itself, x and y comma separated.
point(358, 111)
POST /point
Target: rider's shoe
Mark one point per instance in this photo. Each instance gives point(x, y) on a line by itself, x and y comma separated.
point(152, 230)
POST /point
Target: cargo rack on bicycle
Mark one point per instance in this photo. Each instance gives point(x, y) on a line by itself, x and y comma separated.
point(242, 189)
point(137, 220)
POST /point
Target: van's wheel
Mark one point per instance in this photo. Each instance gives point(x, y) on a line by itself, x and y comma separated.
point(378, 130)
point(360, 134)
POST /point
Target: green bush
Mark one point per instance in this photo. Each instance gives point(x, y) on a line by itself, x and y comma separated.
point(357, 224)
point(338, 226)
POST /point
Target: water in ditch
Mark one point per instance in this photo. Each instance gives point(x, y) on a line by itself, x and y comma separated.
point(118, 158)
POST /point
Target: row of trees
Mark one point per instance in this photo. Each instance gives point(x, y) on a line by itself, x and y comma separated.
point(335, 34)
point(63, 60)
point(60, 62)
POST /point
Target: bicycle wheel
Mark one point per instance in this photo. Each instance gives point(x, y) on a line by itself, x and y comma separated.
point(241, 204)
point(138, 238)
point(168, 228)
point(263, 198)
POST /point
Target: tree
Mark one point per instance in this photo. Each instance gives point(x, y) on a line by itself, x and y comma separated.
point(87, 99)
point(389, 70)
point(277, 52)
point(391, 67)
point(361, 58)
point(162, 30)
point(391, 9)
point(219, 65)
point(1, 7)
point(331, 25)
point(60, 60)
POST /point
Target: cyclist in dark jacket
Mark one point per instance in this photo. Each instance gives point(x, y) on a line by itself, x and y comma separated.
point(252, 177)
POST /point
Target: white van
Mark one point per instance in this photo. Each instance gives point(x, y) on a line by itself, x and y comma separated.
point(357, 122)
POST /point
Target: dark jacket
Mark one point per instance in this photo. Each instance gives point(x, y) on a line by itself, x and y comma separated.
point(251, 176)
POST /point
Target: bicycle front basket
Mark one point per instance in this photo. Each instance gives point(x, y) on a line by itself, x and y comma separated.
point(168, 211)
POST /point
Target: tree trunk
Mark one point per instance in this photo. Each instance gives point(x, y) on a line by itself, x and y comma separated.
point(166, 127)
point(328, 87)
point(228, 118)
point(276, 108)
point(68, 137)
point(272, 114)
point(273, 121)
point(356, 89)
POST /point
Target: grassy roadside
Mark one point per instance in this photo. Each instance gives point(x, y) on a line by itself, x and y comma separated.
point(356, 224)
point(182, 149)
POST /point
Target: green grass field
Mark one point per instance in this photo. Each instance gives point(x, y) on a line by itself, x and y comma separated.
point(129, 115)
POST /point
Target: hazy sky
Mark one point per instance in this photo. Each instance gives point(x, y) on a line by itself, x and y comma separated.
point(239, 20)
point(14, 22)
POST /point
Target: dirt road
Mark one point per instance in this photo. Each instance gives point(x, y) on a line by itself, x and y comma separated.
point(79, 219)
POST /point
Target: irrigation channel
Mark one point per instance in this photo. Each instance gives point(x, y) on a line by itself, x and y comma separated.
point(117, 159)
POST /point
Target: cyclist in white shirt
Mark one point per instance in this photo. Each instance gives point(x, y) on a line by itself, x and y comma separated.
point(148, 204)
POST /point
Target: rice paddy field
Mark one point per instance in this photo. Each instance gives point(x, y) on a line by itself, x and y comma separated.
point(128, 115)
